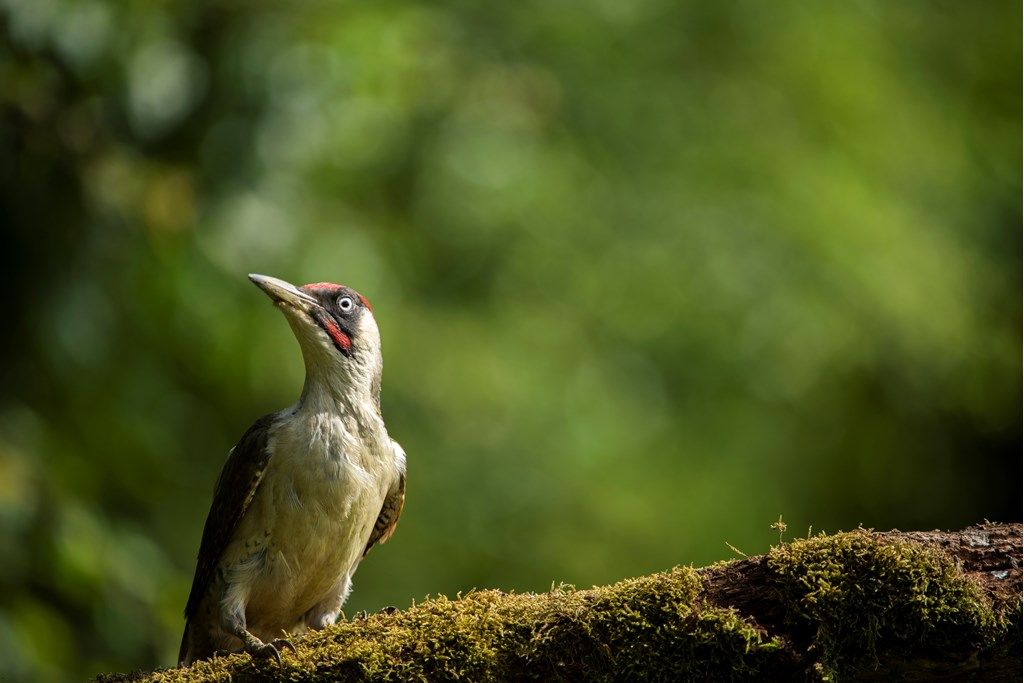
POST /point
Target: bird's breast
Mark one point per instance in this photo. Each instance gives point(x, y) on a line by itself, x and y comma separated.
point(311, 517)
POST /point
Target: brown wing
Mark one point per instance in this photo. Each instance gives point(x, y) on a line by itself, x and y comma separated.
point(387, 520)
point(234, 491)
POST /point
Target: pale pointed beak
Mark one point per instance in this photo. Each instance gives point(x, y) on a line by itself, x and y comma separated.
point(284, 292)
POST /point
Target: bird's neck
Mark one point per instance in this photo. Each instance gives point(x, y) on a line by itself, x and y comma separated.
point(340, 396)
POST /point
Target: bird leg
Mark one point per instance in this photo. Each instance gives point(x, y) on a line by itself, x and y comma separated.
point(256, 648)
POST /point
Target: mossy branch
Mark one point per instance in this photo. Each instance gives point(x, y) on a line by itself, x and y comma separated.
point(860, 605)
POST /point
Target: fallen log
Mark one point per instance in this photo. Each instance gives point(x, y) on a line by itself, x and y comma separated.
point(859, 605)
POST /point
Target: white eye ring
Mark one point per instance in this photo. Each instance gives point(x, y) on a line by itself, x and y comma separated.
point(346, 304)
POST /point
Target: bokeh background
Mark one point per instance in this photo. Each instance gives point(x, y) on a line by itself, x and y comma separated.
point(649, 275)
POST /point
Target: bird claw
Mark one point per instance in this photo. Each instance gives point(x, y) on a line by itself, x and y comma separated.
point(282, 643)
point(390, 609)
point(264, 650)
point(360, 615)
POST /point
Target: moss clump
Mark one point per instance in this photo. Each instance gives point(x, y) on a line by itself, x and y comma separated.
point(645, 628)
point(858, 593)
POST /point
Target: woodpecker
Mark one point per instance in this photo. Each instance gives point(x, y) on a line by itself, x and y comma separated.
point(304, 494)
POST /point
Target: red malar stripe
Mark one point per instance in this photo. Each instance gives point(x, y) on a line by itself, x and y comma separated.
point(339, 337)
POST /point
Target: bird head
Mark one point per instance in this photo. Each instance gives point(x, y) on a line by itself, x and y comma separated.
point(336, 331)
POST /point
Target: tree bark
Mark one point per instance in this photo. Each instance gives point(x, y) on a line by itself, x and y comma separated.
point(859, 605)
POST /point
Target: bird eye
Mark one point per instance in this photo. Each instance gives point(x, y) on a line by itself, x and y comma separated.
point(346, 304)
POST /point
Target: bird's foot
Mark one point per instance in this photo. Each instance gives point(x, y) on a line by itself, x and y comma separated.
point(257, 649)
point(284, 643)
point(390, 609)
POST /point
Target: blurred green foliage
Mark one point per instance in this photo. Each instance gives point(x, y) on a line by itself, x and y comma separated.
point(648, 273)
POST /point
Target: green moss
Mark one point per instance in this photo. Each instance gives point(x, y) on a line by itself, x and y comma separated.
point(846, 603)
point(639, 628)
point(855, 591)
point(645, 628)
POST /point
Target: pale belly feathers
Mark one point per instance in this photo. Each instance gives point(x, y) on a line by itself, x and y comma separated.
point(307, 526)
